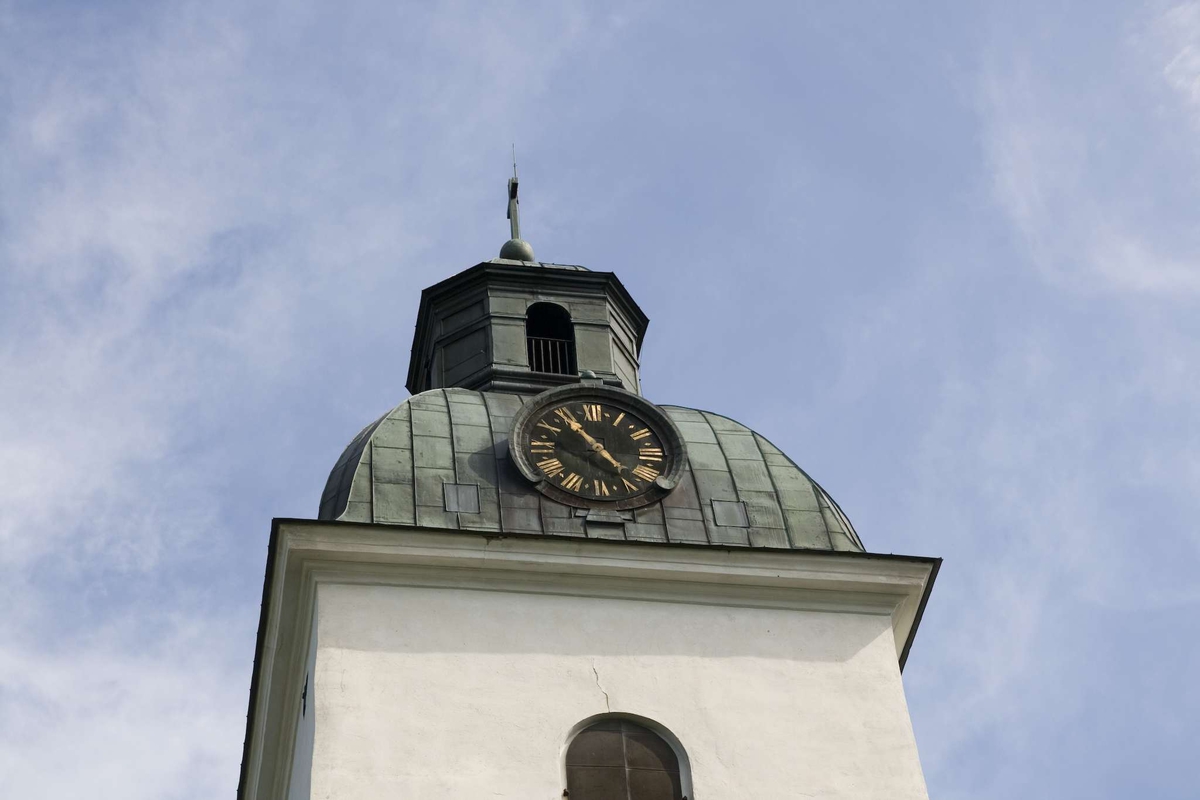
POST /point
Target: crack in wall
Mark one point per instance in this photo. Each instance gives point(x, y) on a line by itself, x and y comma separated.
point(596, 673)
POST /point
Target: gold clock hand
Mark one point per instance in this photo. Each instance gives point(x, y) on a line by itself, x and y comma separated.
point(599, 448)
point(574, 425)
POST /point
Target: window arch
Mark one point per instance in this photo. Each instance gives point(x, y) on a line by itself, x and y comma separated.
point(619, 759)
point(550, 339)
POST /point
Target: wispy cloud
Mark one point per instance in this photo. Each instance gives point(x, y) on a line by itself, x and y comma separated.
point(1061, 463)
point(121, 712)
point(215, 220)
point(1175, 37)
point(1074, 150)
point(190, 197)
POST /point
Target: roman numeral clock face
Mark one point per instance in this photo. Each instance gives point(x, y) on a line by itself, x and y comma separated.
point(595, 450)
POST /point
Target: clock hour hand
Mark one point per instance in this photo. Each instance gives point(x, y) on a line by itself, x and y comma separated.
point(574, 425)
point(599, 448)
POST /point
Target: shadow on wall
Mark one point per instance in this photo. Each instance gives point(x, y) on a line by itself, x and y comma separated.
point(434, 620)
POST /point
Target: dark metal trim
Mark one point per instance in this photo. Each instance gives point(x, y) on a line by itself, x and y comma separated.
point(912, 633)
point(264, 607)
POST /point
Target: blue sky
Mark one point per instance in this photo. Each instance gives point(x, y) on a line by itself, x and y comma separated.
point(943, 254)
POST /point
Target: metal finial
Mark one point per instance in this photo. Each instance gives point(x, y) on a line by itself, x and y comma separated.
point(516, 248)
point(514, 210)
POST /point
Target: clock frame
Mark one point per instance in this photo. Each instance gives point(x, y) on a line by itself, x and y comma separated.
point(595, 446)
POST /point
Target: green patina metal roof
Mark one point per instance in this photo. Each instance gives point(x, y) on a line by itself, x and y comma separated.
point(395, 470)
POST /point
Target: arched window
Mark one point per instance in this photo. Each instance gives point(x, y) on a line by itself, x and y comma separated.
point(550, 339)
point(615, 759)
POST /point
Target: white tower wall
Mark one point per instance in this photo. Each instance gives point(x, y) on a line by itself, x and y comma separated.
point(450, 665)
point(448, 693)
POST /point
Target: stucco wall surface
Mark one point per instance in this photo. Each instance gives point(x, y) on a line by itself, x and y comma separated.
point(453, 693)
point(305, 716)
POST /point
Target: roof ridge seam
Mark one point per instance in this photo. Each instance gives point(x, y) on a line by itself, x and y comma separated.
point(728, 470)
point(758, 439)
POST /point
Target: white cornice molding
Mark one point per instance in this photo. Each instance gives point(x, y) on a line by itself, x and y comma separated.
point(816, 580)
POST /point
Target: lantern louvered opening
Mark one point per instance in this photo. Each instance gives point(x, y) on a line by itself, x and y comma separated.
point(616, 759)
point(550, 339)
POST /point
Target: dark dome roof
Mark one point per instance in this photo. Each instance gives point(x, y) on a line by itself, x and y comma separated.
point(394, 470)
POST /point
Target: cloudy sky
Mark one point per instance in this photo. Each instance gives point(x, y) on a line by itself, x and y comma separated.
point(944, 254)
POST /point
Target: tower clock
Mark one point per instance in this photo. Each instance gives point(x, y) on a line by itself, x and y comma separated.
point(595, 446)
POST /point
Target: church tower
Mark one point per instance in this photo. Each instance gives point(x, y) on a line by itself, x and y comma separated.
point(529, 581)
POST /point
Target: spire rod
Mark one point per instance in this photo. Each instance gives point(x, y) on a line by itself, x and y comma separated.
point(516, 248)
point(514, 210)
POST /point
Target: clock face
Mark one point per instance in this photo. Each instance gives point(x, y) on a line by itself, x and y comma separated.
point(595, 449)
